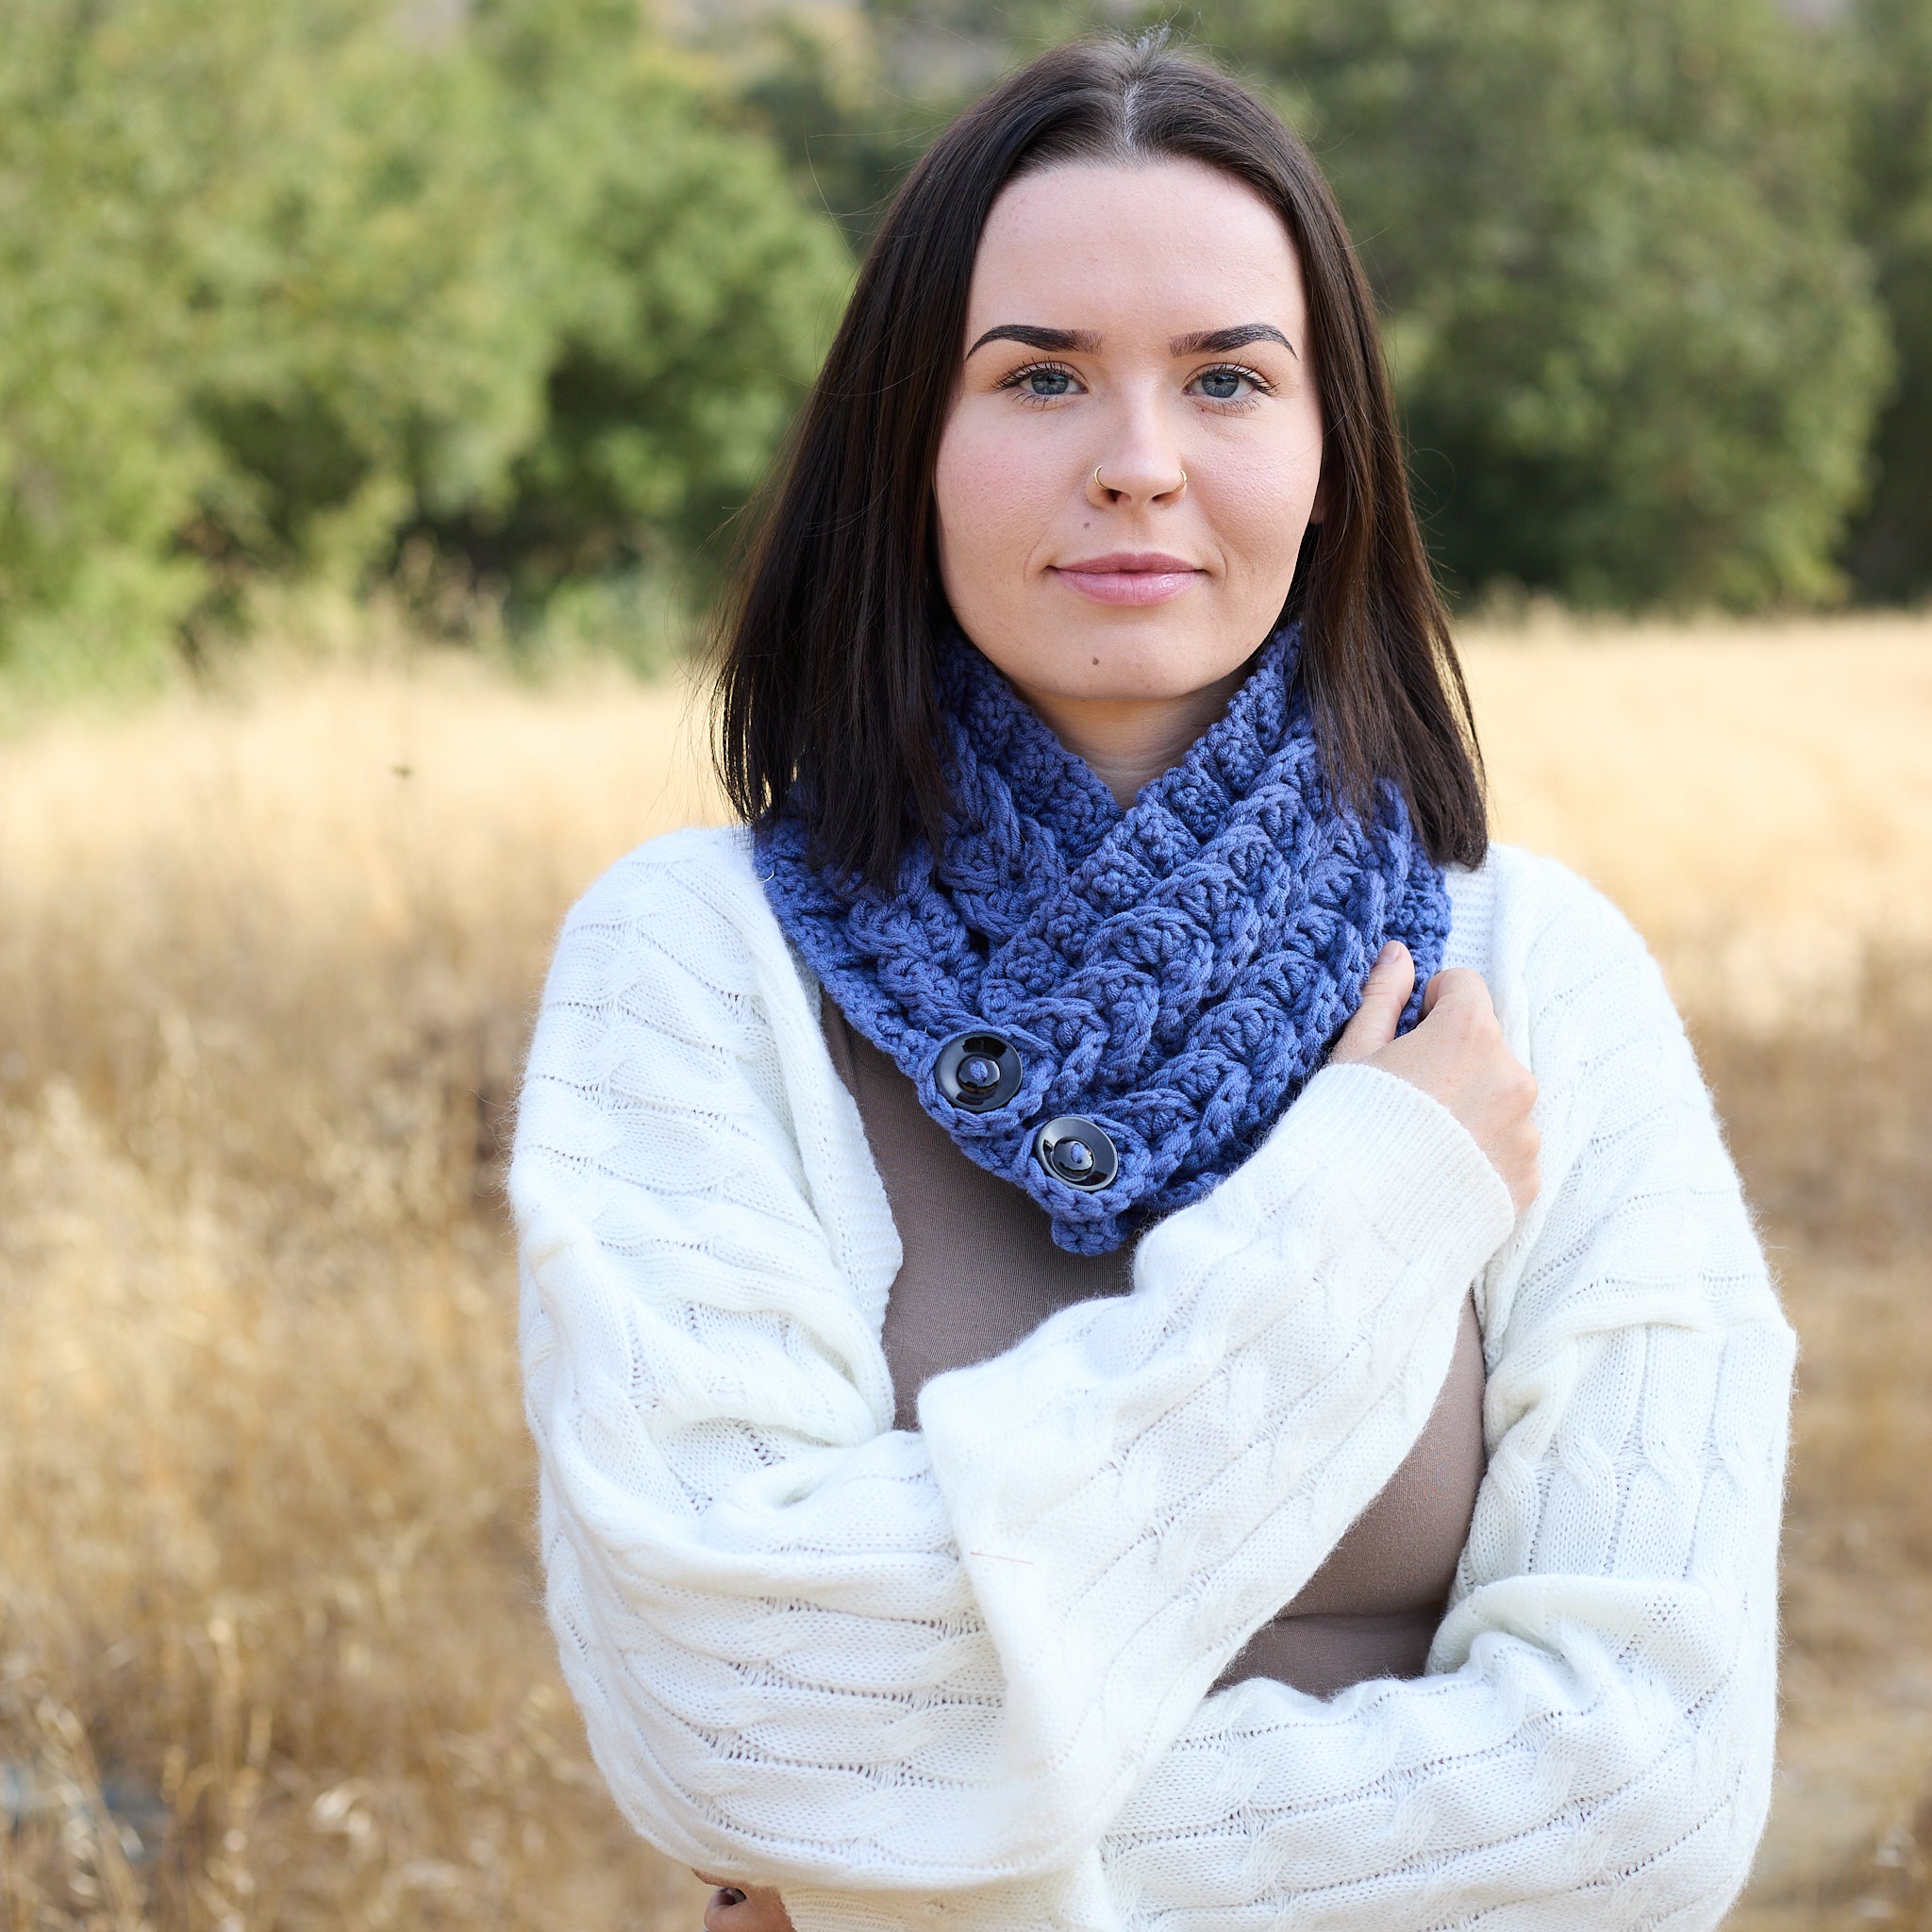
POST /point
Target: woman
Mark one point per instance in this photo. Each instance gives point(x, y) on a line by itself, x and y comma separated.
point(1124, 1323)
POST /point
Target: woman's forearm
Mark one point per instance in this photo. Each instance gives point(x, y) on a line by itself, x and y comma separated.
point(1142, 1482)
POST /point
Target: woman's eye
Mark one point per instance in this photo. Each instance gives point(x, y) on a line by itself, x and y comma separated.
point(1225, 385)
point(1046, 382)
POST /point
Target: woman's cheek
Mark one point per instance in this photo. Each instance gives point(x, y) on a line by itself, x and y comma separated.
point(1260, 516)
point(988, 520)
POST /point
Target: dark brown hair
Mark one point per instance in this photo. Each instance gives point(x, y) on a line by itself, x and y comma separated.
point(827, 648)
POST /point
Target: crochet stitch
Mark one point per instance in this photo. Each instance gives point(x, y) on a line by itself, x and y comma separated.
point(1174, 972)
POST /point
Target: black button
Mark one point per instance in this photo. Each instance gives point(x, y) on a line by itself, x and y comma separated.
point(978, 1075)
point(979, 1071)
point(1075, 1151)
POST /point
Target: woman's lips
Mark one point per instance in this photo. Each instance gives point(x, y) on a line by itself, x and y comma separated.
point(1129, 577)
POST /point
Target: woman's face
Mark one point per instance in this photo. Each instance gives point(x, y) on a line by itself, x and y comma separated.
point(1146, 321)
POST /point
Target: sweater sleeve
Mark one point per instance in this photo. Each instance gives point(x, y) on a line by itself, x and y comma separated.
point(1594, 1744)
point(813, 1650)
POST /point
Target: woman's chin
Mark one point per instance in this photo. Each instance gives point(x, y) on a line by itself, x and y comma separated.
point(1112, 675)
point(1151, 657)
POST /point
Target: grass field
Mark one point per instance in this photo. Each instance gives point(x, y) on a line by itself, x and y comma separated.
point(271, 1654)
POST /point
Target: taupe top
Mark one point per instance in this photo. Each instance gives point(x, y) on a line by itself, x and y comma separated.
point(980, 1271)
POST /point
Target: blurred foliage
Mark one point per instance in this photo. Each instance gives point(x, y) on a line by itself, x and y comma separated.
point(835, 110)
point(293, 291)
point(1634, 340)
point(1891, 548)
point(687, 291)
point(505, 303)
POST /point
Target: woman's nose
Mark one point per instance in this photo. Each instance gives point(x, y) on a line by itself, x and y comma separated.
point(1142, 468)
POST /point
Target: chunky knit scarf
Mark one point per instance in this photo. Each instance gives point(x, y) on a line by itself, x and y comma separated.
point(1172, 975)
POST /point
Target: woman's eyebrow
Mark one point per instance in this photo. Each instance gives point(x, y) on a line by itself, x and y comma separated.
point(1217, 341)
point(1084, 341)
point(1065, 341)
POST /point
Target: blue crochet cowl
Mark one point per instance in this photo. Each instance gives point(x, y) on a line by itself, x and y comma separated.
point(1172, 975)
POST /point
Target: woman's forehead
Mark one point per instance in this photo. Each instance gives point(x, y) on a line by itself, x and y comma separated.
point(1167, 247)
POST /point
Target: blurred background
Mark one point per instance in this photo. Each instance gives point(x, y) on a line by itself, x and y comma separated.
point(382, 383)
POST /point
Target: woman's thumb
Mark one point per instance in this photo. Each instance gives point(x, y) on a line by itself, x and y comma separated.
point(1390, 981)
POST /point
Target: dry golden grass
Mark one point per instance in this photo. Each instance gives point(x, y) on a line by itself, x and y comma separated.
point(265, 968)
point(270, 1647)
point(1758, 798)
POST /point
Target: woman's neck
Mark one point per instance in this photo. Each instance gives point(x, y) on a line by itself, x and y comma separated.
point(1129, 742)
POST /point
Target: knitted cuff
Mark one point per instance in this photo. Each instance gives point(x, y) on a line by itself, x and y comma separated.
point(1415, 1168)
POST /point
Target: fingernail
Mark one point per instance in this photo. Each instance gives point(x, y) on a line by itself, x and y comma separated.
point(1387, 954)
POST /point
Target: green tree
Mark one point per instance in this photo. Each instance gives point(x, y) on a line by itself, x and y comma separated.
point(1891, 552)
point(1632, 332)
point(98, 466)
point(688, 296)
point(851, 126)
point(370, 349)
point(281, 286)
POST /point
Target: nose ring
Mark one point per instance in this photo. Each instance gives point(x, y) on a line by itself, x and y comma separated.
point(1099, 485)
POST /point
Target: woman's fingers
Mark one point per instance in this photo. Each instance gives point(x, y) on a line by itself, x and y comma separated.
point(1457, 1055)
point(743, 1908)
point(1390, 981)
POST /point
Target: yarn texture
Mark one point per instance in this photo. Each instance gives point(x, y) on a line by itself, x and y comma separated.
point(960, 1677)
point(1174, 972)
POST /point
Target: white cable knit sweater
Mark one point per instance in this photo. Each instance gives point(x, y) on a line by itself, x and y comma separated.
point(960, 1677)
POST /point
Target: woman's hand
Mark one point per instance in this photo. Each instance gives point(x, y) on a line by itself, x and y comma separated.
point(743, 1909)
point(1455, 1055)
